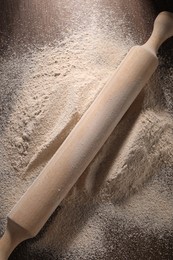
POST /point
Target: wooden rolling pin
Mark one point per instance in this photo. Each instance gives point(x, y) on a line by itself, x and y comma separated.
point(35, 207)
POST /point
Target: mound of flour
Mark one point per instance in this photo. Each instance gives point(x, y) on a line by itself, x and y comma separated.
point(125, 193)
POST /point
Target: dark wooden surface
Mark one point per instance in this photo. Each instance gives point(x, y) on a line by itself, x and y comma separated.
point(33, 23)
point(41, 22)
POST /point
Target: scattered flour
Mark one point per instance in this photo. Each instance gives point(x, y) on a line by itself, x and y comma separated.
point(125, 193)
point(56, 84)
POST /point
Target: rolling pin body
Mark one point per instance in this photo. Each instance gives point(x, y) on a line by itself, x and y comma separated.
point(68, 163)
point(85, 140)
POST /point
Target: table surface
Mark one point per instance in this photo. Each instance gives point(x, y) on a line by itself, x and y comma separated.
point(32, 24)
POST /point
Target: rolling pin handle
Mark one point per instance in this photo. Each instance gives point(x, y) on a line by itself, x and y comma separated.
point(13, 236)
point(163, 29)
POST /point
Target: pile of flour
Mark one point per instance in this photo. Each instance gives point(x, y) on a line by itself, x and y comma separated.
point(125, 194)
point(44, 93)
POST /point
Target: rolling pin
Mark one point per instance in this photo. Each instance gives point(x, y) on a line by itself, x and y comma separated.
point(62, 171)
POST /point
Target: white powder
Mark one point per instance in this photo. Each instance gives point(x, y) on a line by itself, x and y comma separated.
point(56, 86)
point(44, 93)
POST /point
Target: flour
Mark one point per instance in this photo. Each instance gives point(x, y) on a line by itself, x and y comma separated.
point(124, 191)
point(54, 85)
point(44, 93)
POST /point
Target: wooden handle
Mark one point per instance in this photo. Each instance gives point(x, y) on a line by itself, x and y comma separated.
point(163, 29)
point(13, 236)
point(85, 140)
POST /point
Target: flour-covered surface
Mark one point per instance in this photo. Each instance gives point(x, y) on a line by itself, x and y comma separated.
point(122, 206)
